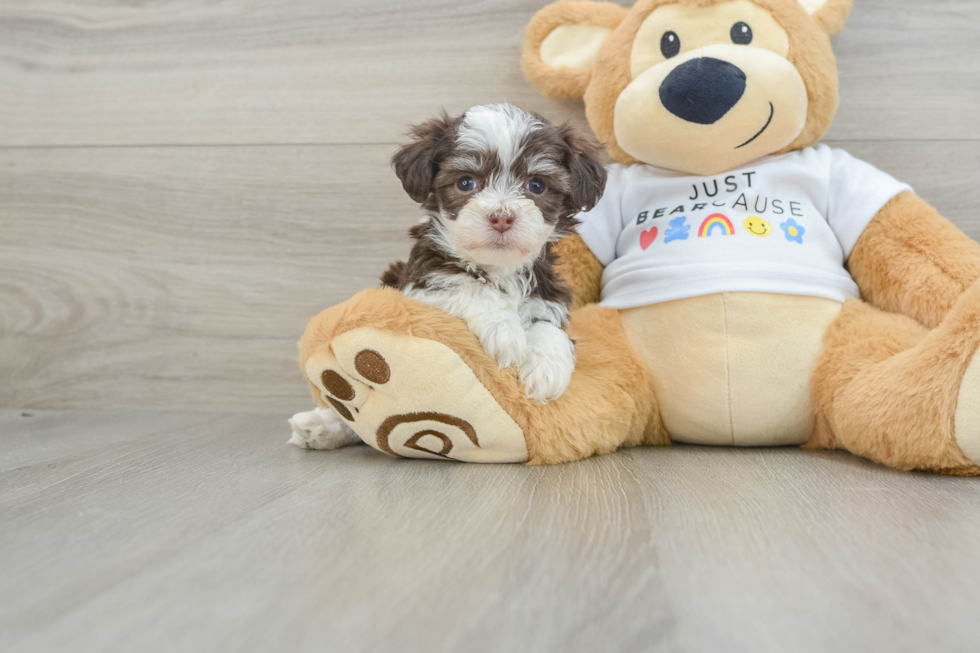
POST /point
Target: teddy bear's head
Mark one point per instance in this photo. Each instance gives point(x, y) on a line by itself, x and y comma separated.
point(697, 86)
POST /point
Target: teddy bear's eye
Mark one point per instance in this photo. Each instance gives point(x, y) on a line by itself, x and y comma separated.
point(670, 45)
point(741, 34)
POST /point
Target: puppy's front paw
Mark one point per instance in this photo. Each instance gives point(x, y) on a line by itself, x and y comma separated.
point(321, 429)
point(547, 369)
point(505, 340)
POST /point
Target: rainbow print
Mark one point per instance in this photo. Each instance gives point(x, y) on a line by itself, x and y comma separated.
point(716, 220)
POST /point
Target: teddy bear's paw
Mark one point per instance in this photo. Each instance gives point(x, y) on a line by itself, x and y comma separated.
point(967, 421)
point(547, 369)
point(415, 398)
point(321, 428)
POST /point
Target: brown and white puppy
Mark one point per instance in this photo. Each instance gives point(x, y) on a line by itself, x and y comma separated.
point(499, 187)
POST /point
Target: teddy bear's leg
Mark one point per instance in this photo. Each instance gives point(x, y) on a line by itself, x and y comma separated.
point(413, 381)
point(610, 402)
point(887, 388)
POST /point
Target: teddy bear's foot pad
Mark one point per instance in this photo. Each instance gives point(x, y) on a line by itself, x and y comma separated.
point(967, 421)
point(413, 397)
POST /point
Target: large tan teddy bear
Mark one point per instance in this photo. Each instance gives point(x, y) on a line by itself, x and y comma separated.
point(736, 285)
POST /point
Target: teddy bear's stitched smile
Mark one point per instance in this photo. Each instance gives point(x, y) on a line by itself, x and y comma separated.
point(772, 112)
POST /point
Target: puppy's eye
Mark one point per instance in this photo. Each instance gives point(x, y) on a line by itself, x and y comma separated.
point(741, 34)
point(466, 184)
point(536, 186)
point(670, 45)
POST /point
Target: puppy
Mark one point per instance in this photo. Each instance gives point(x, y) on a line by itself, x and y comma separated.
point(499, 187)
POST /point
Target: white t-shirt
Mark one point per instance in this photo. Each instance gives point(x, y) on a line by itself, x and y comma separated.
point(783, 224)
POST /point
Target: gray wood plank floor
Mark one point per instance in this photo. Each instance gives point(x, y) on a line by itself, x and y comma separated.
point(161, 532)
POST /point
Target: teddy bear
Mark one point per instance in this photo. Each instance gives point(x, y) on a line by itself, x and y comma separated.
point(738, 284)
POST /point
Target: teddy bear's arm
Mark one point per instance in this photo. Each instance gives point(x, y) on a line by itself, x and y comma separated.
point(580, 270)
point(911, 260)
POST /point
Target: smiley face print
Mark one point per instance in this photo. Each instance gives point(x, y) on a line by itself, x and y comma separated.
point(757, 226)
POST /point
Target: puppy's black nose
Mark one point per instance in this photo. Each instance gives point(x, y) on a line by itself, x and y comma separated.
point(703, 90)
point(501, 221)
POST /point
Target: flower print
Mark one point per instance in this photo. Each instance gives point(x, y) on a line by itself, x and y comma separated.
point(794, 232)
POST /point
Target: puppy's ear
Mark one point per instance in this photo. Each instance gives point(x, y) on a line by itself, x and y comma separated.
point(584, 162)
point(417, 163)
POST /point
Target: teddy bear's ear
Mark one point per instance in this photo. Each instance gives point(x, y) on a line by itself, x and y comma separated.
point(562, 42)
point(830, 14)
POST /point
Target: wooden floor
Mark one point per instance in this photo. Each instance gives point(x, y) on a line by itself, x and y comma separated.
point(202, 532)
point(184, 183)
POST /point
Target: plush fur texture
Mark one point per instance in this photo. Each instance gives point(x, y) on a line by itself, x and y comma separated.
point(886, 388)
point(913, 261)
point(580, 270)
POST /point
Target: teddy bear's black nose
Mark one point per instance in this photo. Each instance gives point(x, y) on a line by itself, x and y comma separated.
point(703, 90)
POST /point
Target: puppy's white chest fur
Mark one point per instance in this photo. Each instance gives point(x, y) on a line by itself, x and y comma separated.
point(516, 328)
